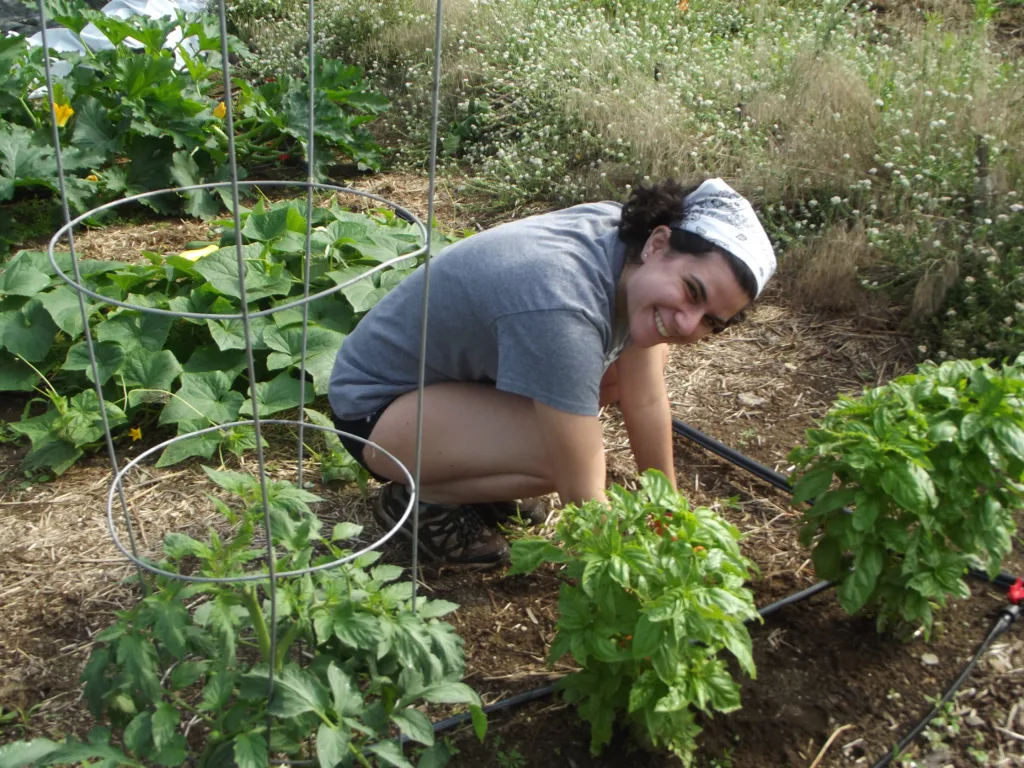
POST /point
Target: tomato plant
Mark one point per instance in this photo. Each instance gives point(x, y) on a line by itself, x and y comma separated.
point(186, 374)
point(653, 593)
point(932, 465)
point(183, 676)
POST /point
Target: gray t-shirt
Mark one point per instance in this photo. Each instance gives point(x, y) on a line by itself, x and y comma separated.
point(528, 306)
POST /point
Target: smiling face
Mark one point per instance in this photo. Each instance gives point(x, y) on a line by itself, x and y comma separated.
point(678, 297)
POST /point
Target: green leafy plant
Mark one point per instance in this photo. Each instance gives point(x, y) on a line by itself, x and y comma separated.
point(134, 120)
point(511, 758)
point(184, 674)
point(17, 718)
point(724, 760)
point(983, 312)
point(68, 426)
point(160, 372)
point(932, 465)
point(945, 725)
point(653, 593)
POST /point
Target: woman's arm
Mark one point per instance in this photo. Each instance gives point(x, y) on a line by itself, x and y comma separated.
point(645, 408)
point(575, 449)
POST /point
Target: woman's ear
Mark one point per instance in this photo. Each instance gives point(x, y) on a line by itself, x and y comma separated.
point(658, 240)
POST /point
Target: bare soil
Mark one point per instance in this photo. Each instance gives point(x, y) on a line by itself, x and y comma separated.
point(830, 691)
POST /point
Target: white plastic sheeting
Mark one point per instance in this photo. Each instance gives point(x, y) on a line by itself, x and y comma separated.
point(92, 39)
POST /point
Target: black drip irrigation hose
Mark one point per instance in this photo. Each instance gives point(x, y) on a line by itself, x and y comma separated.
point(513, 701)
point(709, 443)
point(1007, 616)
point(796, 597)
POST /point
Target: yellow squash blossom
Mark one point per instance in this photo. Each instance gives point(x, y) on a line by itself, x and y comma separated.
point(64, 113)
point(198, 253)
point(220, 110)
point(92, 177)
point(135, 433)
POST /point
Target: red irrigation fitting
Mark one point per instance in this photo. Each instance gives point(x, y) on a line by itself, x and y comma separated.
point(1016, 592)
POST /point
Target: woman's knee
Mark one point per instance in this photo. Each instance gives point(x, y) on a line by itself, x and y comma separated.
point(468, 430)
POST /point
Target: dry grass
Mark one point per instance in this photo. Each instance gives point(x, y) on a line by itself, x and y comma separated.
point(912, 18)
point(825, 110)
point(126, 242)
point(633, 107)
point(822, 275)
point(398, 40)
point(932, 287)
point(453, 209)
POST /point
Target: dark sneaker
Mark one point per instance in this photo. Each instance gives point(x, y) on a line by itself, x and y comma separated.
point(531, 511)
point(450, 534)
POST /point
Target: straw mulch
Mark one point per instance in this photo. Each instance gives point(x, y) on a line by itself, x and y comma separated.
point(126, 242)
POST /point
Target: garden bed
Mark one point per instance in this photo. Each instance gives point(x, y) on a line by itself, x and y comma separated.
point(824, 677)
point(878, 161)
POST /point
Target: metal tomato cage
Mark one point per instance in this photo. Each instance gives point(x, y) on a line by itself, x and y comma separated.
point(117, 493)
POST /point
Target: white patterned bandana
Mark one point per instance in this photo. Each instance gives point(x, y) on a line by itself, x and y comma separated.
point(722, 216)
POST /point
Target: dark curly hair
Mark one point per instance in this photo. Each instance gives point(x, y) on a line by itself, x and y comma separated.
point(661, 204)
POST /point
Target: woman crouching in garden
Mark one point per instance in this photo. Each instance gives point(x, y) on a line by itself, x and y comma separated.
point(533, 326)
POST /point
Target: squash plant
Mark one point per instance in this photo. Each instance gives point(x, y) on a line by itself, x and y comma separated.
point(185, 374)
point(652, 594)
point(932, 466)
point(183, 676)
point(150, 115)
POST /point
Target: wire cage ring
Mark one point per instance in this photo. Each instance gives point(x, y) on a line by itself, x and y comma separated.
point(75, 284)
point(118, 484)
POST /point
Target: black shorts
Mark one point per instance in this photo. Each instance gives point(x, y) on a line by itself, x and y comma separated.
point(360, 428)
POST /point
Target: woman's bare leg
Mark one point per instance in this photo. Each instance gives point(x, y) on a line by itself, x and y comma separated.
point(479, 444)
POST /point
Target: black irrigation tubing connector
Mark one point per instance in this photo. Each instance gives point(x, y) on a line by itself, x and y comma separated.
point(777, 479)
point(1007, 616)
